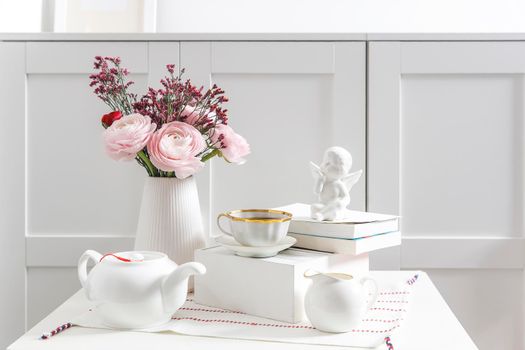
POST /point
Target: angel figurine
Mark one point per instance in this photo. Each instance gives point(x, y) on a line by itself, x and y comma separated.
point(333, 182)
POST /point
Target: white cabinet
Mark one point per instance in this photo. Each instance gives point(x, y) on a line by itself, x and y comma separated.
point(12, 192)
point(446, 142)
point(437, 127)
point(291, 100)
point(60, 193)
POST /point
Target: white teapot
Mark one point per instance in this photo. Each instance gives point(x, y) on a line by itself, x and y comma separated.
point(135, 290)
point(336, 302)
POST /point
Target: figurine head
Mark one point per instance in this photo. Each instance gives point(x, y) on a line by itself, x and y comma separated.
point(337, 163)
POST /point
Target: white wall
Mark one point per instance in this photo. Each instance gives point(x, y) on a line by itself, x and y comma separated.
point(20, 16)
point(341, 16)
point(280, 16)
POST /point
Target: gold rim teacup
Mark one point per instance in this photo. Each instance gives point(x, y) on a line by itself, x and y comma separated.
point(256, 227)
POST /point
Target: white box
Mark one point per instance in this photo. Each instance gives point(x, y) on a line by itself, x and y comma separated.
point(268, 287)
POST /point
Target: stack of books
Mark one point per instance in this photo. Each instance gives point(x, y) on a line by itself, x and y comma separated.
point(359, 232)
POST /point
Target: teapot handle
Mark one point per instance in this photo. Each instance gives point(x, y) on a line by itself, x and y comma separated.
point(373, 283)
point(82, 264)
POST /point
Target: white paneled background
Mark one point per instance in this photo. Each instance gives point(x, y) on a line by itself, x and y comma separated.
point(291, 105)
point(64, 194)
point(437, 127)
point(77, 198)
point(462, 129)
point(446, 122)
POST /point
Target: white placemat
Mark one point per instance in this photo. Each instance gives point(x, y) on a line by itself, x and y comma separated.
point(383, 319)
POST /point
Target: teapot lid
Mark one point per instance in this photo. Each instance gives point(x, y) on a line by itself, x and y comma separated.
point(132, 257)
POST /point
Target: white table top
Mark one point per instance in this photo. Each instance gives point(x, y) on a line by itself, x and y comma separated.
point(430, 325)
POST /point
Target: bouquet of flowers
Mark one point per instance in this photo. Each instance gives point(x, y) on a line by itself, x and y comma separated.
point(170, 131)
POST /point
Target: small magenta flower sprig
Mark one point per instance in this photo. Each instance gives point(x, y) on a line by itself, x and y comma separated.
point(171, 131)
point(180, 100)
point(110, 84)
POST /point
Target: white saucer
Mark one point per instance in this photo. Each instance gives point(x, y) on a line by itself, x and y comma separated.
point(255, 252)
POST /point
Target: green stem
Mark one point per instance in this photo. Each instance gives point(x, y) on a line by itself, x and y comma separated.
point(152, 171)
point(210, 155)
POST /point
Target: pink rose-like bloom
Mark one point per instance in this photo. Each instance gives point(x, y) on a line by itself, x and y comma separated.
point(175, 146)
point(127, 136)
point(233, 146)
point(191, 116)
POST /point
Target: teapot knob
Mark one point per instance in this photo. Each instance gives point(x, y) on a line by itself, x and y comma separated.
point(137, 257)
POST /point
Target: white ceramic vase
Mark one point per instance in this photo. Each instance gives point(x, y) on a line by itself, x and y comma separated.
point(170, 218)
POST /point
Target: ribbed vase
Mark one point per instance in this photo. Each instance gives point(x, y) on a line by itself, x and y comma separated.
point(170, 218)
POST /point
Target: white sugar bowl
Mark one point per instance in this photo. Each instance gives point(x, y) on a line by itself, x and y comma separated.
point(135, 290)
point(336, 302)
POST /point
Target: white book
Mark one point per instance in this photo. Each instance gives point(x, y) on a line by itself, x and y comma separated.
point(355, 224)
point(347, 246)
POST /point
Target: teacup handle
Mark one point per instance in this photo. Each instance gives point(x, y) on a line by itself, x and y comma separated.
point(371, 281)
point(219, 224)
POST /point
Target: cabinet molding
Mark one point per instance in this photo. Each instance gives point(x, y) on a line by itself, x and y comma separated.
point(12, 191)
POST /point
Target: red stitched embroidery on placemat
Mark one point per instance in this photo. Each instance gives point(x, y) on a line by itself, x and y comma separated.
point(381, 320)
point(210, 310)
point(392, 301)
point(55, 331)
point(206, 320)
point(387, 309)
point(388, 343)
point(392, 293)
point(275, 325)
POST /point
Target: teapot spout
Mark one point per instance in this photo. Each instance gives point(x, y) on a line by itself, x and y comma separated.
point(184, 271)
point(175, 285)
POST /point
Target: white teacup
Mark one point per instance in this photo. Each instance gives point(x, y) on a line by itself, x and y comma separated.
point(256, 227)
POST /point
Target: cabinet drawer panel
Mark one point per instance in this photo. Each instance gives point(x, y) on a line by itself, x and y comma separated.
point(77, 57)
point(271, 57)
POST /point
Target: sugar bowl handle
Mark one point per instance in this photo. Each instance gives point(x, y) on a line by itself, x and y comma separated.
point(82, 264)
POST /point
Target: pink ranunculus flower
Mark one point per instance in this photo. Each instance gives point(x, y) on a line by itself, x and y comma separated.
point(191, 116)
point(127, 136)
point(175, 146)
point(233, 146)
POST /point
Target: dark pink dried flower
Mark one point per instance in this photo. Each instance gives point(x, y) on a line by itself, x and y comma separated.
point(110, 86)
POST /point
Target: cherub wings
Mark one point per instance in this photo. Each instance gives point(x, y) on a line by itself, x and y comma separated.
point(351, 179)
point(318, 177)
